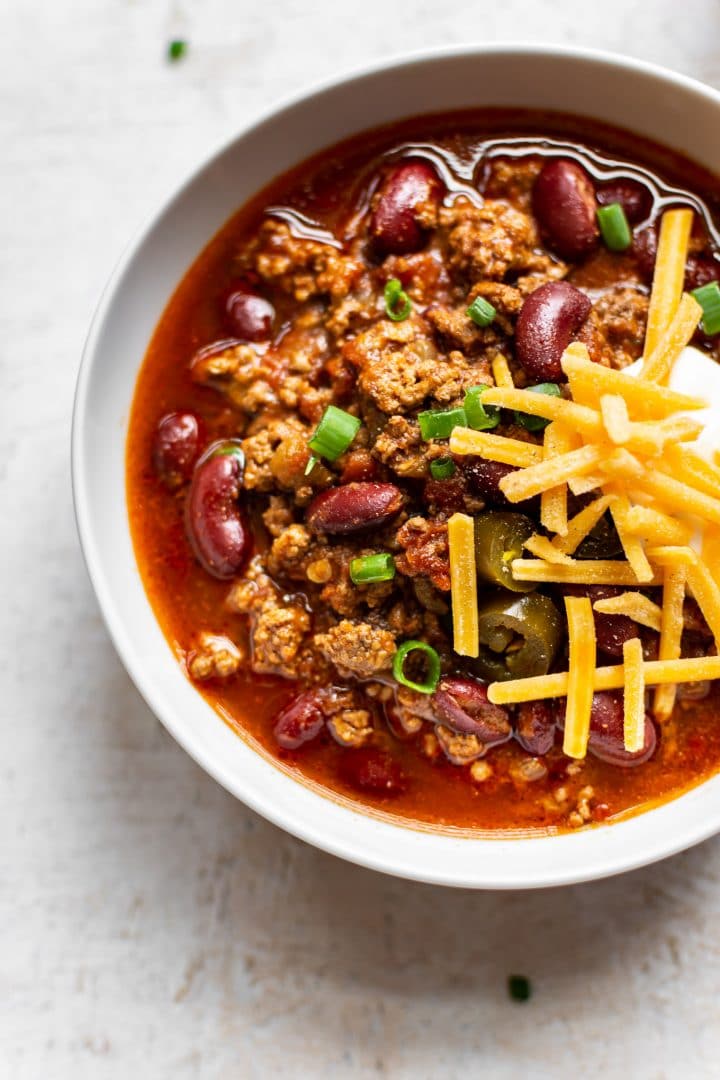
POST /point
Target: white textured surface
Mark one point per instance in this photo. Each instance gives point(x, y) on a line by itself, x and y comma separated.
point(151, 926)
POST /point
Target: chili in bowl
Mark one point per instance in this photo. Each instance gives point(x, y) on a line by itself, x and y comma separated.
point(422, 483)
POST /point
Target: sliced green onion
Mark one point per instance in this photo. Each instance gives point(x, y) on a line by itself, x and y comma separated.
point(481, 311)
point(433, 666)
point(478, 416)
point(397, 302)
point(176, 50)
point(370, 568)
point(334, 433)
point(614, 227)
point(442, 468)
point(708, 297)
point(519, 987)
point(538, 423)
point(312, 462)
point(438, 423)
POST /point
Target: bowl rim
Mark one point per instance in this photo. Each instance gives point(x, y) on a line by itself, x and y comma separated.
point(629, 857)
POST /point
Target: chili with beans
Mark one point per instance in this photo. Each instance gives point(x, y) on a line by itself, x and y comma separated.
point(290, 483)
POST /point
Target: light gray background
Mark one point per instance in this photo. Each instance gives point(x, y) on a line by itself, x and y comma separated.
point(151, 926)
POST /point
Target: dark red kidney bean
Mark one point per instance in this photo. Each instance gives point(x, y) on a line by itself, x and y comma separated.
point(484, 477)
point(611, 631)
point(249, 316)
point(370, 770)
point(300, 721)
point(644, 250)
point(694, 620)
point(606, 732)
point(462, 704)
point(701, 270)
point(176, 445)
point(214, 520)
point(535, 727)
point(635, 198)
point(565, 206)
point(396, 226)
point(353, 507)
point(548, 320)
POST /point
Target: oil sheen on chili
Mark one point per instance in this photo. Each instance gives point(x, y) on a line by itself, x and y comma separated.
point(287, 578)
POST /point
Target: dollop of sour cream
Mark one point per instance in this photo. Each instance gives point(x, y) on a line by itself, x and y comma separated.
point(696, 374)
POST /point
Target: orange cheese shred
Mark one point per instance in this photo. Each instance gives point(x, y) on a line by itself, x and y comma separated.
point(501, 371)
point(656, 673)
point(668, 277)
point(553, 502)
point(535, 479)
point(671, 628)
point(463, 584)
point(580, 525)
point(581, 651)
point(580, 572)
point(633, 696)
point(635, 605)
point(659, 363)
point(494, 447)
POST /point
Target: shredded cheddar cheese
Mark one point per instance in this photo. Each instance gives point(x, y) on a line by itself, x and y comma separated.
point(655, 672)
point(501, 371)
point(671, 628)
point(635, 605)
point(633, 438)
point(535, 479)
point(463, 584)
point(553, 502)
point(581, 651)
point(669, 275)
point(494, 447)
point(694, 469)
point(545, 549)
point(633, 548)
point(579, 417)
point(579, 526)
point(633, 696)
point(580, 572)
point(615, 417)
point(658, 364)
point(645, 400)
point(707, 593)
point(655, 527)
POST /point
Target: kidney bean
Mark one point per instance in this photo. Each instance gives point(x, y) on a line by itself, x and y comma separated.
point(644, 250)
point(249, 316)
point(606, 732)
point(483, 478)
point(214, 520)
point(396, 225)
point(353, 507)
point(547, 322)
point(694, 621)
point(565, 206)
point(700, 270)
point(369, 769)
point(535, 727)
point(176, 445)
point(611, 631)
point(635, 199)
point(300, 721)
point(462, 704)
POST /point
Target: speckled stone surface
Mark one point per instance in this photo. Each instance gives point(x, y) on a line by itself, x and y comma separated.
point(152, 926)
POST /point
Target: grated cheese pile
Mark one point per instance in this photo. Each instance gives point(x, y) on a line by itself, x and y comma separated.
point(630, 439)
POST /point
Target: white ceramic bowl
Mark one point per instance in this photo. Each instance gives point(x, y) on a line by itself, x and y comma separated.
point(669, 108)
